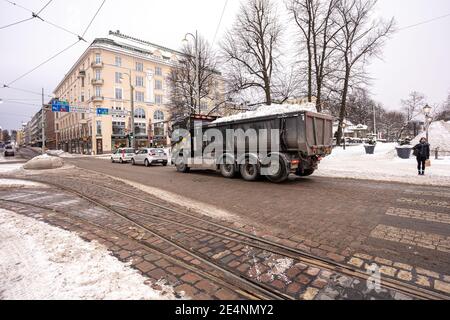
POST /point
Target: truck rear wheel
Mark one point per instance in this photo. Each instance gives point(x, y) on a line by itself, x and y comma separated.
point(182, 167)
point(278, 173)
point(249, 172)
point(305, 173)
point(228, 170)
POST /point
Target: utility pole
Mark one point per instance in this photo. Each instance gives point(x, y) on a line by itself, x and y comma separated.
point(43, 122)
point(375, 122)
point(197, 64)
point(132, 140)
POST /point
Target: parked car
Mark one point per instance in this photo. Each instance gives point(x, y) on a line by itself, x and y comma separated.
point(122, 155)
point(9, 151)
point(150, 156)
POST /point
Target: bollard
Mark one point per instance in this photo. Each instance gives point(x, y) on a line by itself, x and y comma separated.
point(437, 153)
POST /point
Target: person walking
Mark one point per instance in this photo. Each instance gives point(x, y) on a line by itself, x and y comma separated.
point(422, 153)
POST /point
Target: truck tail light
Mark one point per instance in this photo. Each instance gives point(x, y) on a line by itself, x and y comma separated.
point(294, 162)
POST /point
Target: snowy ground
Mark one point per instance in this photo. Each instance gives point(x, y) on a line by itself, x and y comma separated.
point(9, 167)
point(384, 165)
point(39, 261)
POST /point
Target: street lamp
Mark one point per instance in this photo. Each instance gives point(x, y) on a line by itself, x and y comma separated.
point(428, 118)
point(344, 125)
point(132, 140)
point(1, 101)
point(197, 65)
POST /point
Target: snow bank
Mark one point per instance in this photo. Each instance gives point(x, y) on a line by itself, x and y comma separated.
point(44, 162)
point(20, 183)
point(10, 167)
point(266, 110)
point(384, 165)
point(439, 136)
point(39, 261)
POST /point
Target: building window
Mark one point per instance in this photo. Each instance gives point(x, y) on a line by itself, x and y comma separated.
point(158, 119)
point(140, 129)
point(139, 96)
point(98, 58)
point(82, 82)
point(98, 91)
point(119, 94)
point(99, 128)
point(82, 97)
point(158, 71)
point(139, 113)
point(139, 66)
point(139, 81)
point(118, 128)
point(118, 61)
point(98, 75)
point(158, 116)
point(158, 85)
point(158, 99)
point(203, 105)
point(118, 77)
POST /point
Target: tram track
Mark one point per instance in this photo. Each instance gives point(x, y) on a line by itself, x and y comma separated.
point(249, 240)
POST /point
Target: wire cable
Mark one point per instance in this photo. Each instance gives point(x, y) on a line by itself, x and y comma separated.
point(41, 64)
point(15, 23)
point(220, 21)
point(424, 22)
point(18, 5)
point(43, 8)
point(24, 90)
point(93, 18)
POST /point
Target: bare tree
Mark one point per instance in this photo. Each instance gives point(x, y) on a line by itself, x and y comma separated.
point(318, 29)
point(411, 108)
point(391, 123)
point(182, 79)
point(252, 46)
point(444, 111)
point(360, 38)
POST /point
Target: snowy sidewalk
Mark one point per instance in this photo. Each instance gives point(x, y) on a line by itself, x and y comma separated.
point(39, 261)
point(384, 165)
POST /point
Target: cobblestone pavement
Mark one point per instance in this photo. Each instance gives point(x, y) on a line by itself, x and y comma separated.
point(295, 278)
point(332, 218)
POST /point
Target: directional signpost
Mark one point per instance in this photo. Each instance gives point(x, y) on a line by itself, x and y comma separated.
point(102, 111)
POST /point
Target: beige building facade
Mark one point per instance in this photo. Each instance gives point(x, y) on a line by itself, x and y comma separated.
point(100, 80)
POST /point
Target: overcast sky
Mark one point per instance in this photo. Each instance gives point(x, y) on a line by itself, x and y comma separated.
point(414, 59)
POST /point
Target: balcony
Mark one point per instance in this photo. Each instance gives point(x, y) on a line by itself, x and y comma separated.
point(96, 64)
point(97, 98)
point(97, 82)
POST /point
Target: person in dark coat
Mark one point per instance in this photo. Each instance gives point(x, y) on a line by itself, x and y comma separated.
point(422, 153)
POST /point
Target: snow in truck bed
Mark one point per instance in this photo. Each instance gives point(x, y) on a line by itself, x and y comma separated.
point(265, 110)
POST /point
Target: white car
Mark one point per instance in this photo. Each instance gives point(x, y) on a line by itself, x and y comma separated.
point(122, 155)
point(150, 156)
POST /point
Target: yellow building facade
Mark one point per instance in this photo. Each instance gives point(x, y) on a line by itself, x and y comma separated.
point(103, 78)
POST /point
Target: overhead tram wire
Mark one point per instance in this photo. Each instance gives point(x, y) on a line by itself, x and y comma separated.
point(16, 23)
point(24, 90)
point(220, 21)
point(60, 52)
point(37, 15)
point(424, 22)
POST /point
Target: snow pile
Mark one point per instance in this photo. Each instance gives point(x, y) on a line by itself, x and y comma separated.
point(384, 165)
point(265, 110)
point(20, 183)
point(38, 261)
point(439, 136)
point(44, 162)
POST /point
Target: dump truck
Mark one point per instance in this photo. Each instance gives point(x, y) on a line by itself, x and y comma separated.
point(273, 145)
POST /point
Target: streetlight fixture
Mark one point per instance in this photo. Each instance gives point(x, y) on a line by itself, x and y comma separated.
point(1, 101)
point(197, 64)
point(132, 140)
point(428, 118)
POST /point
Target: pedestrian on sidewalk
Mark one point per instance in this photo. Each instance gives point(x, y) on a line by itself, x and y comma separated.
point(422, 153)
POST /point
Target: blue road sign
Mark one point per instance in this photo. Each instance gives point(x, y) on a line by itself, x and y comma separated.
point(102, 111)
point(60, 106)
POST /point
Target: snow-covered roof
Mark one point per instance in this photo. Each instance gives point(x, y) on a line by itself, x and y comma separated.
point(266, 110)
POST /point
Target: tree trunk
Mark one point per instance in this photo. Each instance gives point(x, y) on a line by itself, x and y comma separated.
point(343, 106)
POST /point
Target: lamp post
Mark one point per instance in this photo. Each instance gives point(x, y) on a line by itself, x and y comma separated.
point(132, 140)
point(197, 65)
point(428, 119)
point(344, 125)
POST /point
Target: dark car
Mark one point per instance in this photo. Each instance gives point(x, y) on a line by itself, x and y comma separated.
point(9, 151)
